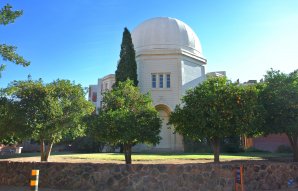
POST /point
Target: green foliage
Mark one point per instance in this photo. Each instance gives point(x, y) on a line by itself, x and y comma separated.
point(130, 116)
point(127, 66)
point(217, 109)
point(11, 119)
point(9, 140)
point(51, 111)
point(7, 52)
point(127, 117)
point(7, 15)
point(6, 109)
point(280, 99)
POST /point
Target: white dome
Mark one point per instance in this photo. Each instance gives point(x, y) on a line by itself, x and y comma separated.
point(166, 33)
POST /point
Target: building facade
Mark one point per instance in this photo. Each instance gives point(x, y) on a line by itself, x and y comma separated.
point(169, 61)
point(96, 91)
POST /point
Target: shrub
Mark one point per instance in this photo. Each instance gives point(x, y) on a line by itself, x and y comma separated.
point(254, 150)
point(231, 145)
point(284, 149)
point(232, 148)
point(86, 145)
point(191, 146)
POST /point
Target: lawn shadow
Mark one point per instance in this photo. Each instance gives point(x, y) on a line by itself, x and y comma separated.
point(26, 155)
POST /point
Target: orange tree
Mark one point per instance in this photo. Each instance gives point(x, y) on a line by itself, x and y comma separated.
point(280, 99)
point(50, 111)
point(217, 109)
point(127, 117)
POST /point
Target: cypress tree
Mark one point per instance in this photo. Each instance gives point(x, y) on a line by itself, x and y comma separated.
point(127, 66)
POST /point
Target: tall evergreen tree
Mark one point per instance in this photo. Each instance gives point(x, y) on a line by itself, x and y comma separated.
point(127, 66)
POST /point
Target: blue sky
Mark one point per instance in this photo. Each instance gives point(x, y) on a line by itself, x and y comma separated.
point(80, 40)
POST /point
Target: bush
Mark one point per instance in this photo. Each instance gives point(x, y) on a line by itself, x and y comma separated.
point(86, 145)
point(191, 146)
point(231, 145)
point(232, 148)
point(228, 145)
point(254, 150)
point(284, 149)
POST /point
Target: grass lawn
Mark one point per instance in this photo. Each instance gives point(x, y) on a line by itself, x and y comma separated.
point(148, 157)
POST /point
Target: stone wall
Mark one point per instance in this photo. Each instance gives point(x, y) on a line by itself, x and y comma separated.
point(203, 177)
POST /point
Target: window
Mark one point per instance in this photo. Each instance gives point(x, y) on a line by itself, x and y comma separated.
point(160, 80)
point(168, 80)
point(94, 96)
point(153, 79)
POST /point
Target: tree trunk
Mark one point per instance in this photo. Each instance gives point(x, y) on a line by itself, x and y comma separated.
point(42, 150)
point(216, 148)
point(48, 151)
point(127, 153)
point(294, 144)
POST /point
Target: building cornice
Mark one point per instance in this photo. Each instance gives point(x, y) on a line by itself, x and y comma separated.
point(159, 52)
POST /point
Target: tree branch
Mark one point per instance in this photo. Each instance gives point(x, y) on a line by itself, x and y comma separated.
point(7, 15)
point(8, 54)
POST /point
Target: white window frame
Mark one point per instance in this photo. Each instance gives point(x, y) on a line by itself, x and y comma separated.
point(158, 77)
point(153, 82)
point(161, 81)
point(168, 80)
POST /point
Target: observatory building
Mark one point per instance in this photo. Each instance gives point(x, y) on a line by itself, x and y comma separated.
point(169, 61)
